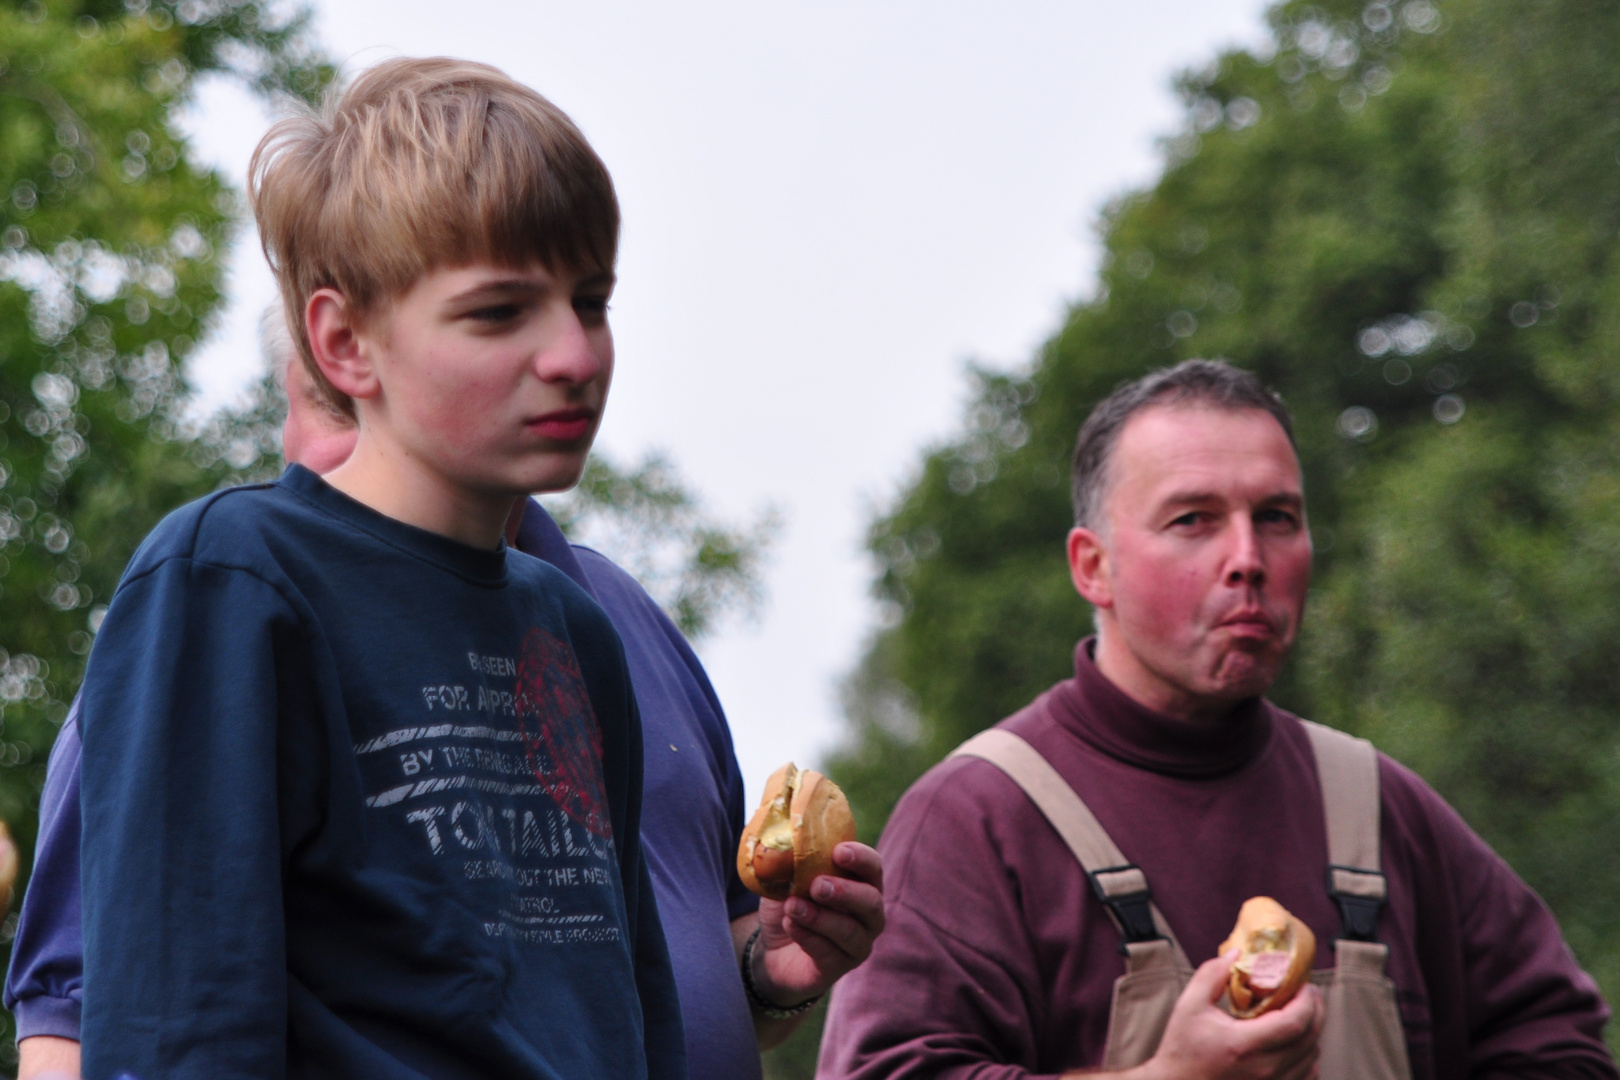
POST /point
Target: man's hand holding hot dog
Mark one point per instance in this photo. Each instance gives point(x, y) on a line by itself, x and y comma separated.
point(1205, 1042)
point(821, 901)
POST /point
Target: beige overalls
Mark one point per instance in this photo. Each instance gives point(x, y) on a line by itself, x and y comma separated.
point(1361, 1037)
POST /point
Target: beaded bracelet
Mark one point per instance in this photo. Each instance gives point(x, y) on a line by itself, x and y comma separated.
point(766, 1009)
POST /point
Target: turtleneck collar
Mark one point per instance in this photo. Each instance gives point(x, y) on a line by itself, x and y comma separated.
point(1103, 715)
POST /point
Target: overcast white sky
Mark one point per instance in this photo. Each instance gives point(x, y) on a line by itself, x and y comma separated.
point(828, 208)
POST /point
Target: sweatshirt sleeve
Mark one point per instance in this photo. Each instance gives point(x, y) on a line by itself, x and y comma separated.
point(930, 1001)
point(45, 985)
point(185, 960)
point(1532, 1013)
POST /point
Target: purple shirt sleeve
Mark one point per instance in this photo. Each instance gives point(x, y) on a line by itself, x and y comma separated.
point(693, 811)
point(45, 985)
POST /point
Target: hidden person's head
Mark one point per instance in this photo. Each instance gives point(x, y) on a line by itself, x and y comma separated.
point(316, 433)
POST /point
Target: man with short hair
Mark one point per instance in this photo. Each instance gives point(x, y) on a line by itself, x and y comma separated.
point(1048, 884)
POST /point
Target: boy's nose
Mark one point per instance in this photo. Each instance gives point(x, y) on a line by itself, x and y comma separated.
point(571, 355)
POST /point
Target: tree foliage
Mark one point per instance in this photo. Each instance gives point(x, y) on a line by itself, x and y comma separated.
point(646, 519)
point(1404, 217)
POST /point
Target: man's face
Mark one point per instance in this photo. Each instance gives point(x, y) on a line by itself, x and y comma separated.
point(493, 378)
point(315, 435)
point(1200, 573)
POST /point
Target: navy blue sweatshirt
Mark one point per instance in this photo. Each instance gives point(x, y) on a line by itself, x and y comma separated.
point(361, 801)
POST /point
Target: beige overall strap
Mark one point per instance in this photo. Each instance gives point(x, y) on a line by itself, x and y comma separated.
point(1348, 770)
point(1096, 852)
point(1362, 1037)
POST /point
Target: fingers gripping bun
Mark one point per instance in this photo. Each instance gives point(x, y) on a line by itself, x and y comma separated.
point(821, 821)
point(1276, 952)
point(789, 843)
point(8, 866)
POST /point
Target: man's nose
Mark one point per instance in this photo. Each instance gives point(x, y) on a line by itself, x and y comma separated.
point(1245, 562)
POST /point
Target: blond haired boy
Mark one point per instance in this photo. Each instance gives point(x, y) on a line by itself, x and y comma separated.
point(361, 786)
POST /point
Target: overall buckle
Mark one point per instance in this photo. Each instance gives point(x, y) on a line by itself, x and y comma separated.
point(1360, 895)
point(1125, 890)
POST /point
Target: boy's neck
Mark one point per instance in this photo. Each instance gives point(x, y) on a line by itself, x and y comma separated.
point(405, 489)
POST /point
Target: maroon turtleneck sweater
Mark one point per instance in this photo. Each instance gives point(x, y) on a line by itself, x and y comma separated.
point(998, 962)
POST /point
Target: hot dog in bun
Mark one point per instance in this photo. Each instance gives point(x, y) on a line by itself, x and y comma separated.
point(789, 843)
point(1276, 951)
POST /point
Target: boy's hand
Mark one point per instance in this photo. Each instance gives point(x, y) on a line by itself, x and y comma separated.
point(804, 946)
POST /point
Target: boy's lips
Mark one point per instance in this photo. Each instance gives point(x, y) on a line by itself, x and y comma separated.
point(564, 425)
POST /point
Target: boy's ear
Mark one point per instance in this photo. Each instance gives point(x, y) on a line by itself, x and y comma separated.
point(340, 348)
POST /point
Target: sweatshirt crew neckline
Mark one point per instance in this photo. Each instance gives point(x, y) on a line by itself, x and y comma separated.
point(1093, 709)
point(474, 564)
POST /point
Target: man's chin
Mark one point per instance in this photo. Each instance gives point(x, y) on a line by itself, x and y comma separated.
point(1241, 675)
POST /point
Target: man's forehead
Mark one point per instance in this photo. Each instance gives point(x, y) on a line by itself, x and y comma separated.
point(1171, 451)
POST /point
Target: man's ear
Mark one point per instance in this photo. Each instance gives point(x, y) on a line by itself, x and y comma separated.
point(340, 349)
point(1088, 567)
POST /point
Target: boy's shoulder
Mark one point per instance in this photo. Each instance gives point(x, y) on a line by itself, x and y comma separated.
point(276, 531)
point(289, 524)
point(223, 526)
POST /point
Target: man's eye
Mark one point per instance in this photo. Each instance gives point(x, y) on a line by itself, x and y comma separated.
point(1191, 517)
point(591, 307)
point(1281, 518)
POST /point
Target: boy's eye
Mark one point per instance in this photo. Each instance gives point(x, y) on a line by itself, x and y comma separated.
point(496, 313)
point(592, 310)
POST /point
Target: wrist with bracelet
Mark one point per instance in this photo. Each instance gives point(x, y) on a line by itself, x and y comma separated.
point(759, 1001)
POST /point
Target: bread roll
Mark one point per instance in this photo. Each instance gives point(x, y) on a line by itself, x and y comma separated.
point(789, 843)
point(1276, 952)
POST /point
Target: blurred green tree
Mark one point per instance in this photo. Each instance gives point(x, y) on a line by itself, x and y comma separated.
point(646, 519)
point(111, 242)
point(1404, 216)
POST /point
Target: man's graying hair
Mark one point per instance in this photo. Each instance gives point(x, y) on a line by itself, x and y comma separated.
point(1213, 383)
